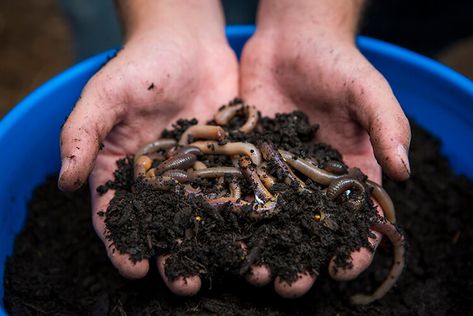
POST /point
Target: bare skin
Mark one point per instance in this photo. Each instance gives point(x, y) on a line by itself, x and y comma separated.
point(164, 72)
point(176, 63)
point(303, 57)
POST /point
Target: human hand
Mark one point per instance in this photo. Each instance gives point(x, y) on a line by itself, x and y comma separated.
point(301, 60)
point(177, 65)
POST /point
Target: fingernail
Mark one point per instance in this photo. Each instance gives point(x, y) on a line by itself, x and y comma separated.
point(65, 164)
point(402, 153)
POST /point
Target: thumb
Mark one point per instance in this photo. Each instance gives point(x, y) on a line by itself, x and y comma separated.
point(92, 119)
point(381, 115)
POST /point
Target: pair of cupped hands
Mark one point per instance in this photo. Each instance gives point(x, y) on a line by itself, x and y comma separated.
point(159, 77)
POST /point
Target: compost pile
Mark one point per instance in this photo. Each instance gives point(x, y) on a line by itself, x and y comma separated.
point(201, 191)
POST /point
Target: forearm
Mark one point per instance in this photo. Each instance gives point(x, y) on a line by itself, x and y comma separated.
point(202, 18)
point(333, 17)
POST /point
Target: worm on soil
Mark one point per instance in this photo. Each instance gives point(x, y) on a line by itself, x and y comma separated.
point(202, 132)
point(141, 165)
point(199, 165)
point(177, 174)
point(262, 195)
point(342, 184)
point(397, 239)
point(155, 146)
point(267, 180)
point(173, 151)
point(307, 168)
point(216, 172)
point(335, 167)
point(383, 199)
point(235, 190)
point(230, 149)
point(182, 161)
point(270, 153)
point(225, 114)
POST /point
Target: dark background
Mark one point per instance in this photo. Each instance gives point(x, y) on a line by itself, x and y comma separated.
point(40, 38)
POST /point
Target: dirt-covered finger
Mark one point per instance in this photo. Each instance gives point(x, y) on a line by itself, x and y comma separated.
point(296, 289)
point(182, 286)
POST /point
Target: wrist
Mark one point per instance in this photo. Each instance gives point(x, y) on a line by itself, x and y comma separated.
point(202, 19)
point(334, 19)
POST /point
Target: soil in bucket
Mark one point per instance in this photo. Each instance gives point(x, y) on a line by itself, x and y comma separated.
point(60, 267)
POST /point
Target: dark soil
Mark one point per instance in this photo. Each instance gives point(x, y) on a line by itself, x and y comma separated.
point(143, 221)
point(59, 266)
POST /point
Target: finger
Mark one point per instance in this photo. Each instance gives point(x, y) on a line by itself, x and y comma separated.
point(188, 286)
point(379, 112)
point(257, 275)
point(93, 117)
point(297, 288)
point(360, 259)
point(122, 262)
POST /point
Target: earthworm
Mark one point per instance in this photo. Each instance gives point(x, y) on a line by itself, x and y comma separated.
point(141, 165)
point(270, 153)
point(266, 210)
point(183, 150)
point(226, 113)
point(251, 119)
point(215, 172)
point(262, 195)
point(237, 148)
point(177, 174)
point(182, 161)
point(234, 202)
point(235, 190)
point(155, 146)
point(342, 184)
point(202, 132)
point(199, 165)
point(336, 167)
point(318, 175)
point(397, 239)
point(382, 197)
point(267, 180)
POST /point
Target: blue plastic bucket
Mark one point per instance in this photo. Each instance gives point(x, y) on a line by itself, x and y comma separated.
point(438, 98)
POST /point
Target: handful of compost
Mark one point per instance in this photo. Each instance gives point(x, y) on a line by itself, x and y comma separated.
point(234, 187)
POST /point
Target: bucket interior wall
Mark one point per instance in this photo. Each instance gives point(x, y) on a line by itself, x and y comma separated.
point(438, 98)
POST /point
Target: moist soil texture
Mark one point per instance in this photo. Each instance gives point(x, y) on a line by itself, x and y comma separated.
point(60, 267)
point(307, 230)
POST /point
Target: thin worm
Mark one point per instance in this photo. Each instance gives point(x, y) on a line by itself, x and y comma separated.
point(182, 161)
point(262, 195)
point(342, 184)
point(202, 132)
point(183, 150)
point(336, 167)
point(235, 190)
point(199, 165)
point(266, 210)
point(397, 239)
point(304, 166)
point(251, 119)
point(268, 181)
point(141, 165)
point(235, 203)
point(226, 113)
point(177, 174)
point(155, 146)
point(230, 149)
point(216, 172)
point(270, 153)
point(383, 199)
